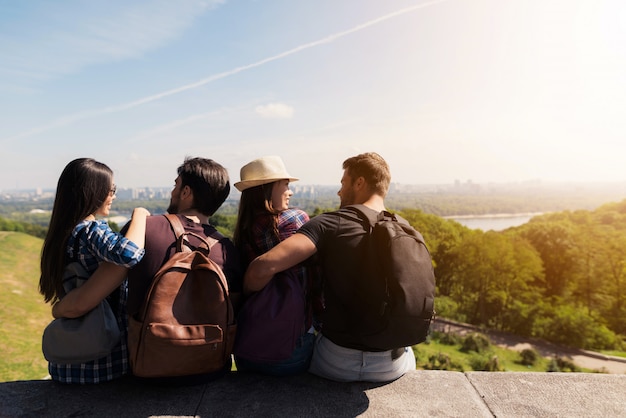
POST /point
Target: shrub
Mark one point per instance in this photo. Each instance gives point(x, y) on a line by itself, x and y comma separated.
point(562, 364)
point(442, 361)
point(446, 338)
point(528, 357)
point(485, 363)
point(475, 342)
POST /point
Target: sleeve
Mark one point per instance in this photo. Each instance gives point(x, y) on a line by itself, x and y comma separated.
point(111, 246)
point(318, 227)
point(289, 221)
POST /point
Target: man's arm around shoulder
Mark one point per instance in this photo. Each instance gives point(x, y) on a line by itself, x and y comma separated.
point(287, 254)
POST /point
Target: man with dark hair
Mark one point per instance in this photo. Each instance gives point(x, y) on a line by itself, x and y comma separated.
point(202, 185)
point(341, 352)
point(200, 189)
point(208, 181)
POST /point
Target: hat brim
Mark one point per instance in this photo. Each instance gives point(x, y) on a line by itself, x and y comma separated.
point(246, 184)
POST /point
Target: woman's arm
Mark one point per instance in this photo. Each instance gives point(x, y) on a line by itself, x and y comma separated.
point(79, 301)
point(105, 279)
point(137, 227)
point(113, 247)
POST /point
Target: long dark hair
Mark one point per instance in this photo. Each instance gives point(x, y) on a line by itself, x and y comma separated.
point(254, 202)
point(83, 187)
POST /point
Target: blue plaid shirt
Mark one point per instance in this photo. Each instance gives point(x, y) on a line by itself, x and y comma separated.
point(98, 243)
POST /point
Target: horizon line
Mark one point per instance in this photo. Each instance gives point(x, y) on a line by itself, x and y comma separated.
point(449, 183)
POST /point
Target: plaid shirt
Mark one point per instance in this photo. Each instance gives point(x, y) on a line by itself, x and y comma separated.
point(97, 243)
point(288, 222)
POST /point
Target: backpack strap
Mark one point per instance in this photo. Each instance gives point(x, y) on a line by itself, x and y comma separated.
point(362, 212)
point(179, 231)
point(176, 224)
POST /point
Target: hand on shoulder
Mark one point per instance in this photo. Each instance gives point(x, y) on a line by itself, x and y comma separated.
point(140, 212)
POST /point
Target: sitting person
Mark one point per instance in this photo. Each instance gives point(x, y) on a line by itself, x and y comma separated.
point(264, 220)
point(85, 190)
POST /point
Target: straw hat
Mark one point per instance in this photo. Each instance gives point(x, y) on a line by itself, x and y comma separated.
point(262, 171)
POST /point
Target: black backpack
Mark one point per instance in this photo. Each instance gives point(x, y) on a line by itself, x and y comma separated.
point(397, 291)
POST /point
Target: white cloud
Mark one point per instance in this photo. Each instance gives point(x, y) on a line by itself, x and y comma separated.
point(275, 111)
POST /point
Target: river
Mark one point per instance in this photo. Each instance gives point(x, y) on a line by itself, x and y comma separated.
point(493, 222)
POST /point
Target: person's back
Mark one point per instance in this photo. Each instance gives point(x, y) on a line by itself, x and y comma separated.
point(341, 248)
point(201, 187)
point(275, 334)
point(160, 246)
point(340, 238)
point(85, 190)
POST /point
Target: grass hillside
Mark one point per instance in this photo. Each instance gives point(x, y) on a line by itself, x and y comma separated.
point(23, 314)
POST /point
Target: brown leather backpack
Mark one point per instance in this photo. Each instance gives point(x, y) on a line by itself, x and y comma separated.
point(187, 324)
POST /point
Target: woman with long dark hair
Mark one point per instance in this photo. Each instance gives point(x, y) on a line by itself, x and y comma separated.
point(264, 220)
point(85, 190)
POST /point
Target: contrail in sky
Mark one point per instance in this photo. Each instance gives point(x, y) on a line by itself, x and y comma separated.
point(125, 106)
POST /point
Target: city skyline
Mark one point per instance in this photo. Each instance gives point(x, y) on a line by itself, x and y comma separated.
point(445, 90)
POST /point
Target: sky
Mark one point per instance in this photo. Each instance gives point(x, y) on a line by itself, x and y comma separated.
point(444, 90)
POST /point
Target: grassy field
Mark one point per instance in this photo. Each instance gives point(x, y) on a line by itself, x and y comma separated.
point(23, 314)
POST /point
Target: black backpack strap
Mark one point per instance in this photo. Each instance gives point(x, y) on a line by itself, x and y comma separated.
point(363, 211)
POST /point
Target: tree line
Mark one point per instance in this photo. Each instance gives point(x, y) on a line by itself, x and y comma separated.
point(560, 277)
point(24, 227)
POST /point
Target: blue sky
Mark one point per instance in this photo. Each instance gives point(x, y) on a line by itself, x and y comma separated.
point(445, 90)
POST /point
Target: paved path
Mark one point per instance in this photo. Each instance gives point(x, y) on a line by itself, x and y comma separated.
point(582, 358)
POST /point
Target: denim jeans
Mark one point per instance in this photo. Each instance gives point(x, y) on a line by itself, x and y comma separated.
point(298, 362)
point(342, 364)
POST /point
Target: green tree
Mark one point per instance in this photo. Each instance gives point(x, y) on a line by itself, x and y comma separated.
point(555, 242)
point(565, 324)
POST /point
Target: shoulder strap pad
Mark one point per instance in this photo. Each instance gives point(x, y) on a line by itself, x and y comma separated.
point(177, 226)
point(362, 212)
point(179, 231)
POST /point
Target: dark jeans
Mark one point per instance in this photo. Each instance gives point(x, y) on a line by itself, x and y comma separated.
point(297, 363)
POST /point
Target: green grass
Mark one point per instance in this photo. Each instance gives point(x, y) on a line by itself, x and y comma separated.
point(614, 353)
point(23, 314)
point(508, 360)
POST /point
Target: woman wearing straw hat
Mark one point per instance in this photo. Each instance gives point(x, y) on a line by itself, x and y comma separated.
point(275, 334)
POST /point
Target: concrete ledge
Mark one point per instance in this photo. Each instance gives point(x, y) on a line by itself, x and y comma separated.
point(419, 393)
